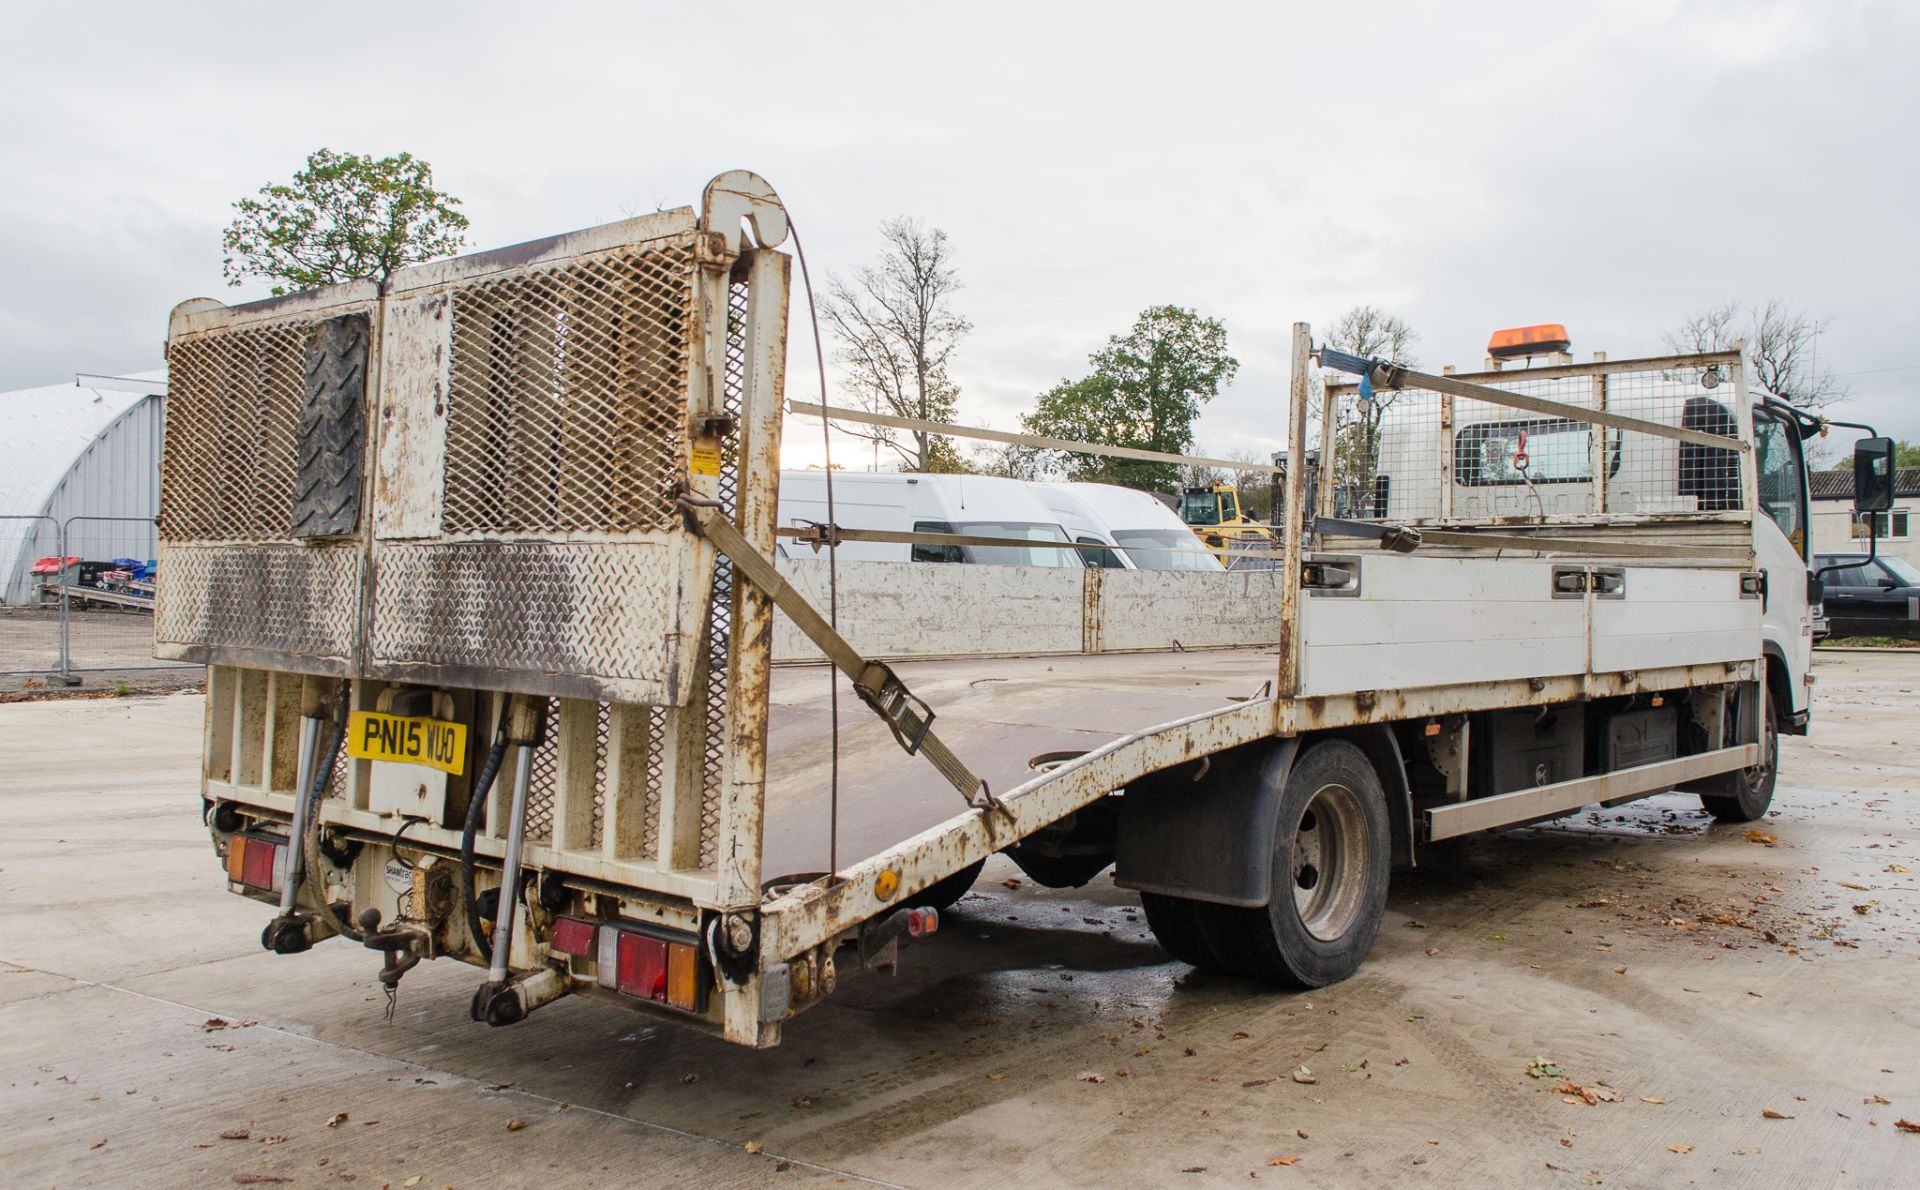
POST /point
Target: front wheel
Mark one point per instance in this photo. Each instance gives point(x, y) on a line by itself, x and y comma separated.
point(1331, 858)
point(1744, 796)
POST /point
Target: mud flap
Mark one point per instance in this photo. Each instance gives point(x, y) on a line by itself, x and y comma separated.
point(1204, 830)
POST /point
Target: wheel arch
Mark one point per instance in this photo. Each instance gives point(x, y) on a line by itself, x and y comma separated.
point(1780, 687)
point(1204, 830)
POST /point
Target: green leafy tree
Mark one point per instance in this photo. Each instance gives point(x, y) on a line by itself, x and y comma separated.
point(1146, 389)
point(1905, 455)
point(342, 217)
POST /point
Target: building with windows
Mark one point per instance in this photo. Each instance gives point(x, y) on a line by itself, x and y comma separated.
point(88, 450)
point(1837, 530)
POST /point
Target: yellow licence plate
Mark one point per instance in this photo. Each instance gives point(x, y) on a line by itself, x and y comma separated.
point(432, 742)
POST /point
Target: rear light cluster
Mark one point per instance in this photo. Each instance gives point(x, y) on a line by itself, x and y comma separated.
point(257, 862)
point(634, 963)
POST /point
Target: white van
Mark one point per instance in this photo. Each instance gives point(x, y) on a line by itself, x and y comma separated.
point(1150, 535)
point(973, 504)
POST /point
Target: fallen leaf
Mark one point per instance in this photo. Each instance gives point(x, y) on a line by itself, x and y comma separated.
point(98, 1143)
point(1256, 1082)
point(1679, 1148)
point(1241, 1034)
point(1304, 1076)
point(1194, 1169)
point(1011, 882)
point(1542, 1068)
point(755, 1146)
point(413, 1181)
point(1906, 1125)
point(1853, 886)
point(515, 1125)
point(1877, 1099)
point(994, 1078)
point(1286, 1160)
point(803, 1101)
point(1770, 1114)
point(1755, 835)
point(1651, 1099)
point(1092, 1076)
point(1619, 970)
point(1301, 1133)
point(258, 1179)
point(337, 1119)
point(1896, 867)
point(275, 1139)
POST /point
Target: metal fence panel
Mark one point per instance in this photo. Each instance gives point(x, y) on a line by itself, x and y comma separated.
point(30, 623)
point(106, 600)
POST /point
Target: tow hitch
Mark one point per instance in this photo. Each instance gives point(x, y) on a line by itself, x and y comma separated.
point(404, 946)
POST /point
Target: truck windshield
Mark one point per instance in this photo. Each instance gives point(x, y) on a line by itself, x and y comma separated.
point(1199, 508)
point(1165, 549)
point(1013, 555)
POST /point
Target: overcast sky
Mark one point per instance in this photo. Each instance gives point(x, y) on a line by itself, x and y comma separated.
point(1466, 166)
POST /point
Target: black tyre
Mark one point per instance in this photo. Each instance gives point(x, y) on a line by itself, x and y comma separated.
point(1331, 857)
point(943, 893)
point(1176, 925)
point(1058, 871)
point(332, 432)
point(1744, 796)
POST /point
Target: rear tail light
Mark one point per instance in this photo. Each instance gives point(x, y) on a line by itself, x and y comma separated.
point(921, 922)
point(574, 937)
point(257, 862)
point(634, 964)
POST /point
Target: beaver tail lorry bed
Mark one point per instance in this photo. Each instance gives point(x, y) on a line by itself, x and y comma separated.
point(510, 660)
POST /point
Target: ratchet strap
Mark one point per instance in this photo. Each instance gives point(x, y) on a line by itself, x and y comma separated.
point(906, 715)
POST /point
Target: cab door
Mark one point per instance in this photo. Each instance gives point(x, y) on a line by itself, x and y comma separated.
point(1780, 544)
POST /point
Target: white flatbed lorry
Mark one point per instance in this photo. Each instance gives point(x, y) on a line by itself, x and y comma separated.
point(503, 666)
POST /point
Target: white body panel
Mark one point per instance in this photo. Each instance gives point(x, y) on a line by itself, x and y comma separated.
point(1435, 621)
point(1670, 616)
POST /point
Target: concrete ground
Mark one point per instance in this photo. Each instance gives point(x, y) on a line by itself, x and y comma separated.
point(1687, 984)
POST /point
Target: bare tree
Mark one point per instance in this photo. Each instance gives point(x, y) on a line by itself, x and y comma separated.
point(1781, 345)
point(897, 331)
point(1368, 331)
point(1008, 461)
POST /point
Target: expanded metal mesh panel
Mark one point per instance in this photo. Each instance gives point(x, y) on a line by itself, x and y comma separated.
point(233, 405)
point(540, 778)
point(721, 608)
point(1394, 458)
point(589, 609)
point(567, 395)
point(289, 599)
point(656, 769)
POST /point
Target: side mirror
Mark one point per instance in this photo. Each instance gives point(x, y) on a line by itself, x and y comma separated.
point(1887, 584)
point(1873, 475)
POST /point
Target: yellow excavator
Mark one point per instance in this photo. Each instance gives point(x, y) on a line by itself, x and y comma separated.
point(1213, 513)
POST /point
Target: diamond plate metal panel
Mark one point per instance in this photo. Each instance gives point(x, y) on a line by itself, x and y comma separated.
point(578, 620)
point(292, 606)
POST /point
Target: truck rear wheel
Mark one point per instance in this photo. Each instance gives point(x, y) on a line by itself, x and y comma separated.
point(1744, 795)
point(942, 893)
point(1176, 926)
point(1331, 858)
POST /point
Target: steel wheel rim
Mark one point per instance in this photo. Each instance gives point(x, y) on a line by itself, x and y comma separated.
point(1329, 862)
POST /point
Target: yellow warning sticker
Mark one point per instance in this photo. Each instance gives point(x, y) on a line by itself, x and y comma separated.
point(706, 459)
